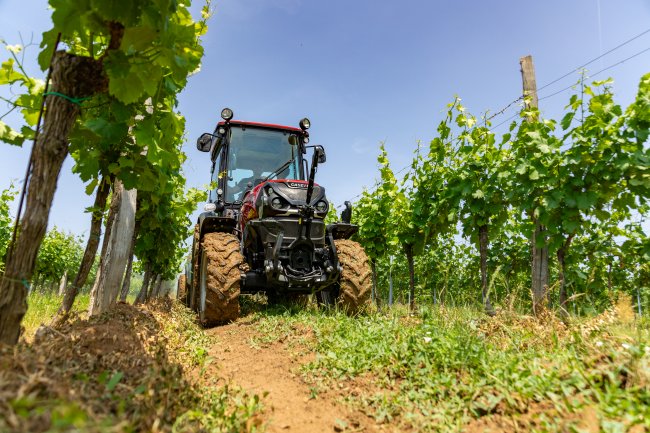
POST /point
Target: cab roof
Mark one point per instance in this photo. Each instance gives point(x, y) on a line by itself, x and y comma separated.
point(261, 125)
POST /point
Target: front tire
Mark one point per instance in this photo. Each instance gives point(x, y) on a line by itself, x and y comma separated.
point(355, 282)
point(219, 279)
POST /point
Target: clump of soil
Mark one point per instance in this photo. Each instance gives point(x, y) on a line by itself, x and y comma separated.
point(108, 370)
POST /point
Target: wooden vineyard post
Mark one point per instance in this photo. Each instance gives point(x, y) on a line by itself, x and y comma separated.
point(539, 263)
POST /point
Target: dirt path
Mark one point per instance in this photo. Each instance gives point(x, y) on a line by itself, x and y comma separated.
point(274, 369)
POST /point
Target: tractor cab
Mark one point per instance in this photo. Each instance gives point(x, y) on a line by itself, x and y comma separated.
point(245, 154)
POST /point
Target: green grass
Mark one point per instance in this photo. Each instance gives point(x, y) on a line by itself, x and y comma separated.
point(446, 368)
point(41, 308)
point(172, 393)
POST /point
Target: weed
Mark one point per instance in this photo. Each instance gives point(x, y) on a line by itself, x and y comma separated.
point(445, 369)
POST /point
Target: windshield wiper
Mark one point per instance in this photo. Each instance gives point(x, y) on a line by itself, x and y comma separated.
point(279, 170)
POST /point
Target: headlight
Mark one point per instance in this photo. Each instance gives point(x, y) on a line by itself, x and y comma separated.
point(226, 114)
point(305, 124)
point(276, 203)
point(322, 206)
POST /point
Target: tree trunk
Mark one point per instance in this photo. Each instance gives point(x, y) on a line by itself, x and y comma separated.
point(377, 299)
point(116, 200)
point(483, 250)
point(126, 284)
point(142, 294)
point(539, 268)
point(409, 257)
point(155, 289)
point(561, 256)
point(90, 252)
point(63, 283)
point(76, 77)
point(165, 288)
point(609, 277)
point(390, 282)
point(110, 275)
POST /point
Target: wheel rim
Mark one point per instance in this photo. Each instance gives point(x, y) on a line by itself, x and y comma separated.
point(202, 286)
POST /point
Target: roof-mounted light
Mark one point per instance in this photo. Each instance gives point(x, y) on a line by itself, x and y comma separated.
point(227, 114)
point(305, 124)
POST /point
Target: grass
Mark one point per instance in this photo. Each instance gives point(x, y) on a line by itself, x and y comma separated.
point(442, 369)
point(41, 308)
point(455, 369)
point(155, 377)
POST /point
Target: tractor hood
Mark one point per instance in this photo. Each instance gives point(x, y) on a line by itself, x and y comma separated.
point(294, 191)
point(282, 198)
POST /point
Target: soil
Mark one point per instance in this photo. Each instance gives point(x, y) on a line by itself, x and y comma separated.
point(273, 372)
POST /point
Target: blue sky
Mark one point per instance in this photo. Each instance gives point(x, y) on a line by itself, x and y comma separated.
point(364, 72)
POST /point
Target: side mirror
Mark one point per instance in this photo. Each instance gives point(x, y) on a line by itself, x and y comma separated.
point(319, 154)
point(204, 143)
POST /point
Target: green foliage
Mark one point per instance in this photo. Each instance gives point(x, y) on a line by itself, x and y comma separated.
point(6, 221)
point(29, 97)
point(164, 225)
point(130, 131)
point(586, 181)
point(59, 253)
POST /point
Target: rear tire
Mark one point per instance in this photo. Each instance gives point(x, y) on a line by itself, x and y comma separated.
point(181, 289)
point(355, 282)
point(219, 279)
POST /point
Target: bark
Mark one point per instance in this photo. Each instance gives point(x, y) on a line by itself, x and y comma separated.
point(142, 294)
point(609, 277)
point(561, 256)
point(155, 288)
point(76, 77)
point(126, 284)
point(375, 295)
point(111, 272)
point(483, 250)
point(91, 249)
point(63, 283)
point(539, 269)
point(409, 257)
point(116, 200)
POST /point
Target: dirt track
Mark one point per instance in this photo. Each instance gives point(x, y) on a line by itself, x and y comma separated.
point(273, 369)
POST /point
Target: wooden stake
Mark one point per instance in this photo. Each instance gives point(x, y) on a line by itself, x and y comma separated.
point(539, 262)
point(529, 82)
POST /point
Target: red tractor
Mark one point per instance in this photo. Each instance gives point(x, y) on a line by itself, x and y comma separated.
point(263, 227)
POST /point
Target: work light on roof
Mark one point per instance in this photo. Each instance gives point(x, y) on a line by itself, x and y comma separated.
point(305, 124)
point(227, 114)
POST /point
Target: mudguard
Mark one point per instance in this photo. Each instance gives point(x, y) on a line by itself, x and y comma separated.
point(341, 230)
point(210, 222)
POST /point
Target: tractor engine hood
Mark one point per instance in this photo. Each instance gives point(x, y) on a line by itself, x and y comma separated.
point(282, 198)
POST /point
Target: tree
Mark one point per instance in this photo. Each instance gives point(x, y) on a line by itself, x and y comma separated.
point(125, 51)
point(372, 213)
point(59, 253)
point(475, 187)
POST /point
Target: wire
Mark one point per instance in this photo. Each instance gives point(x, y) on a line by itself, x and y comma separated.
point(596, 73)
point(594, 59)
point(572, 85)
point(505, 121)
point(520, 98)
point(374, 187)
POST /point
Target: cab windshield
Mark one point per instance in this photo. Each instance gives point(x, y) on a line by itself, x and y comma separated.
point(256, 154)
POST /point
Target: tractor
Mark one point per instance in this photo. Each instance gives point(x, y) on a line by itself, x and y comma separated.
point(263, 229)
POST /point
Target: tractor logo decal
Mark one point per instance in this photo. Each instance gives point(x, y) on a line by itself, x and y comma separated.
point(297, 185)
